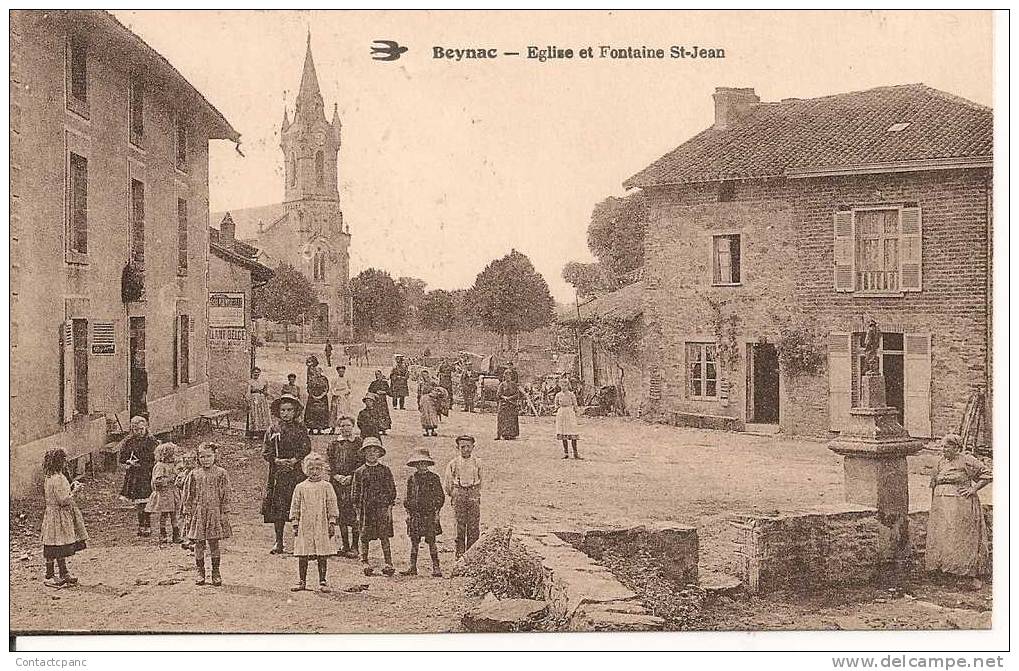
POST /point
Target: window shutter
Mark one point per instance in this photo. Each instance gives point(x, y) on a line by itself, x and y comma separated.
point(176, 351)
point(840, 375)
point(67, 369)
point(191, 351)
point(910, 258)
point(917, 383)
point(845, 273)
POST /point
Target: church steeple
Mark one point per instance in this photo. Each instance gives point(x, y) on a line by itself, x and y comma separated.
point(309, 98)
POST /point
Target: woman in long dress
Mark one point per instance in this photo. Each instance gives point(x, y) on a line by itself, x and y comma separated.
point(380, 387)
point(426, 405)
point(258, 404)
point(956, 531)
point(316, 413)
point(340, 390)
point(566, 425)
point(508, 398)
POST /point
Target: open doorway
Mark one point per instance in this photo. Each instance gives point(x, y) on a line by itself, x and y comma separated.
point(762, 383)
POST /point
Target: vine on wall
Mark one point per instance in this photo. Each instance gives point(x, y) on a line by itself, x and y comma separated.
point(801, 348)
point(726, 330)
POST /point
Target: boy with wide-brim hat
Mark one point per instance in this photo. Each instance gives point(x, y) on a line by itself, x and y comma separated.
point(423, 502)
point(367, 418)
point(284, 446)
point(463, 486)
point(374, 493)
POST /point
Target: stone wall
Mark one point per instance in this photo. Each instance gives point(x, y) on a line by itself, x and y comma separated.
point(806, 550)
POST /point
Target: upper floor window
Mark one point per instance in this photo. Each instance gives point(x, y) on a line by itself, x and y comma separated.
point(137, 112)
point(77, 75)
point(182, 237)
point(726, 192)
point(725, 259)
point(180, 135)
point(320, 178)
point(77, 205)
point(878, 250)
point(138, 224)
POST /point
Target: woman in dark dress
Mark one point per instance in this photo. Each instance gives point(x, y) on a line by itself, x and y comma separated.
point(316, 414)
point(380, 387)
point(508, 422)
point(399, 382)
point(138, 452)
point(284, 446)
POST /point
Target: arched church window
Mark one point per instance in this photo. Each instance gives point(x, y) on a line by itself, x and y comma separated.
point(319, 266)
point(320, 168)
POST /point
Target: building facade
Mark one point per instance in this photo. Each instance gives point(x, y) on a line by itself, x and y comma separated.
point(108, 229)
point(234, 274)
point(307, 229)
point(779, 232)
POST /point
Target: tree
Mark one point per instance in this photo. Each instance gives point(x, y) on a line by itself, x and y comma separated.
point(587, 278)
point(466, 308)
point(616, 235)
point(438, 311)
point(413, 291)
point(378, 303)
point(511, 297)
point(286, 299)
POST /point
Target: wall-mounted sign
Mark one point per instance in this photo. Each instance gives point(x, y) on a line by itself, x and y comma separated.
point(103, 341)
point(226, 309)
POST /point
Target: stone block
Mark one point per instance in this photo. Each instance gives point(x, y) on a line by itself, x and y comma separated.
point(493, 615)
point(600, 619)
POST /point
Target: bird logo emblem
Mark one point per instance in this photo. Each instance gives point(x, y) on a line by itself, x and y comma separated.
point(388, 51)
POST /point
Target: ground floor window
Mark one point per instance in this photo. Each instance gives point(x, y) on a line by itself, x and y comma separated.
point(702, 370)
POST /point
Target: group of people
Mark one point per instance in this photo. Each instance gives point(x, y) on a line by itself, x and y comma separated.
point(340, 502)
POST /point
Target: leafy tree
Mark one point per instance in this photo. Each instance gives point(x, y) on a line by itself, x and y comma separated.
point(378, 303)
point(438, 311)
point(512, 297)
point(616, 235)
point(587, 278)
point(466, 308)
point(286, 299)
point(413, 291)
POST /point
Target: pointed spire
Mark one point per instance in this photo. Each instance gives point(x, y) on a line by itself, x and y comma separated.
point(286, 120)
point(309, 79)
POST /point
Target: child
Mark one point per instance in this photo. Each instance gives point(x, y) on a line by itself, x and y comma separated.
point(313, 512)
point(423, 503)
point(426, 405)
point(344, 458)
point(367, 421)
point(566, 419)
point(165, 499)
point(205, 501)
point(284, 446)
point(442, 401)
point(374, 493)
point(463, 486)
point(137, 451)
point(63, 527)
point(185, 465)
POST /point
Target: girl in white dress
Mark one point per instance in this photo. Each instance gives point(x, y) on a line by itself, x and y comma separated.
point(566, 427)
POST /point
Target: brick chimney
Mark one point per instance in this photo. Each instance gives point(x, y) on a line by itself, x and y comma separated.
point(732, 105)
point(227, 231)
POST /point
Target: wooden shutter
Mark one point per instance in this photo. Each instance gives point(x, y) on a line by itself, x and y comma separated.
point(67, 369)
point(917, 383)
point(845, 271)
point(191, 350)
point(176, 351)
point(840, 375)
point(910, 257)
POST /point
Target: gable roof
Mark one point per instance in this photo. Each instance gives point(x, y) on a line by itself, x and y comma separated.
point(847, 132)
point(247, 219)
point(625, 304)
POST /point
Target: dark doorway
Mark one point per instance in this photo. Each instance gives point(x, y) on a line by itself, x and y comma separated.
point(138, 379)
point(762, 384)
point(893, 368)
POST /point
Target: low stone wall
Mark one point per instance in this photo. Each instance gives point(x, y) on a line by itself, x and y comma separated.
point(675, 547)
point(806, 550)
point(583, 595)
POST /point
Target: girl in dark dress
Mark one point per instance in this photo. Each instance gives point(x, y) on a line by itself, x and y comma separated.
point(285, 446)
point(344, 458)
point(424, 500)
point(316, 414)
point(380, 387)
point(374, 493)
point(399, 385)
point(138, 452)
point(508, 423)
point(367, 419)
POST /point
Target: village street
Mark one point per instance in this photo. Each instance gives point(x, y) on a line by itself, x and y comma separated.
point(632, 473)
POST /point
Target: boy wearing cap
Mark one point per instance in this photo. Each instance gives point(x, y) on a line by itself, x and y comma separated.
point(423, 502)
point(463, 486)
point(374, 492)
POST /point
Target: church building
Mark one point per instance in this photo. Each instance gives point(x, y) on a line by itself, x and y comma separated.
point(307, 230)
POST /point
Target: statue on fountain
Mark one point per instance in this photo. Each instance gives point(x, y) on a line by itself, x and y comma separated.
point(871, 344)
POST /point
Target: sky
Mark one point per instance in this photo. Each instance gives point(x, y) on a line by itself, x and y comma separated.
point(448, 165)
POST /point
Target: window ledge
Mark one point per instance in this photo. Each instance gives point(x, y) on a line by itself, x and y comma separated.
point(79, 108)
point(76, 258)
point(879, 294)
point(137, 144)
point(726, 284)
point(704, 399)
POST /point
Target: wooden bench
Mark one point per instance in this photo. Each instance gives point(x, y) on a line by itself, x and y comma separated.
point(209, 417)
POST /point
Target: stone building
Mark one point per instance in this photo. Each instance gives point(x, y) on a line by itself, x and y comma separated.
point(109, 236)
point(233, 276)
point(307, 230)
point(778, 232)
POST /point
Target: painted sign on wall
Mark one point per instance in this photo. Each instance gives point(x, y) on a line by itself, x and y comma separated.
point(226, 309)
